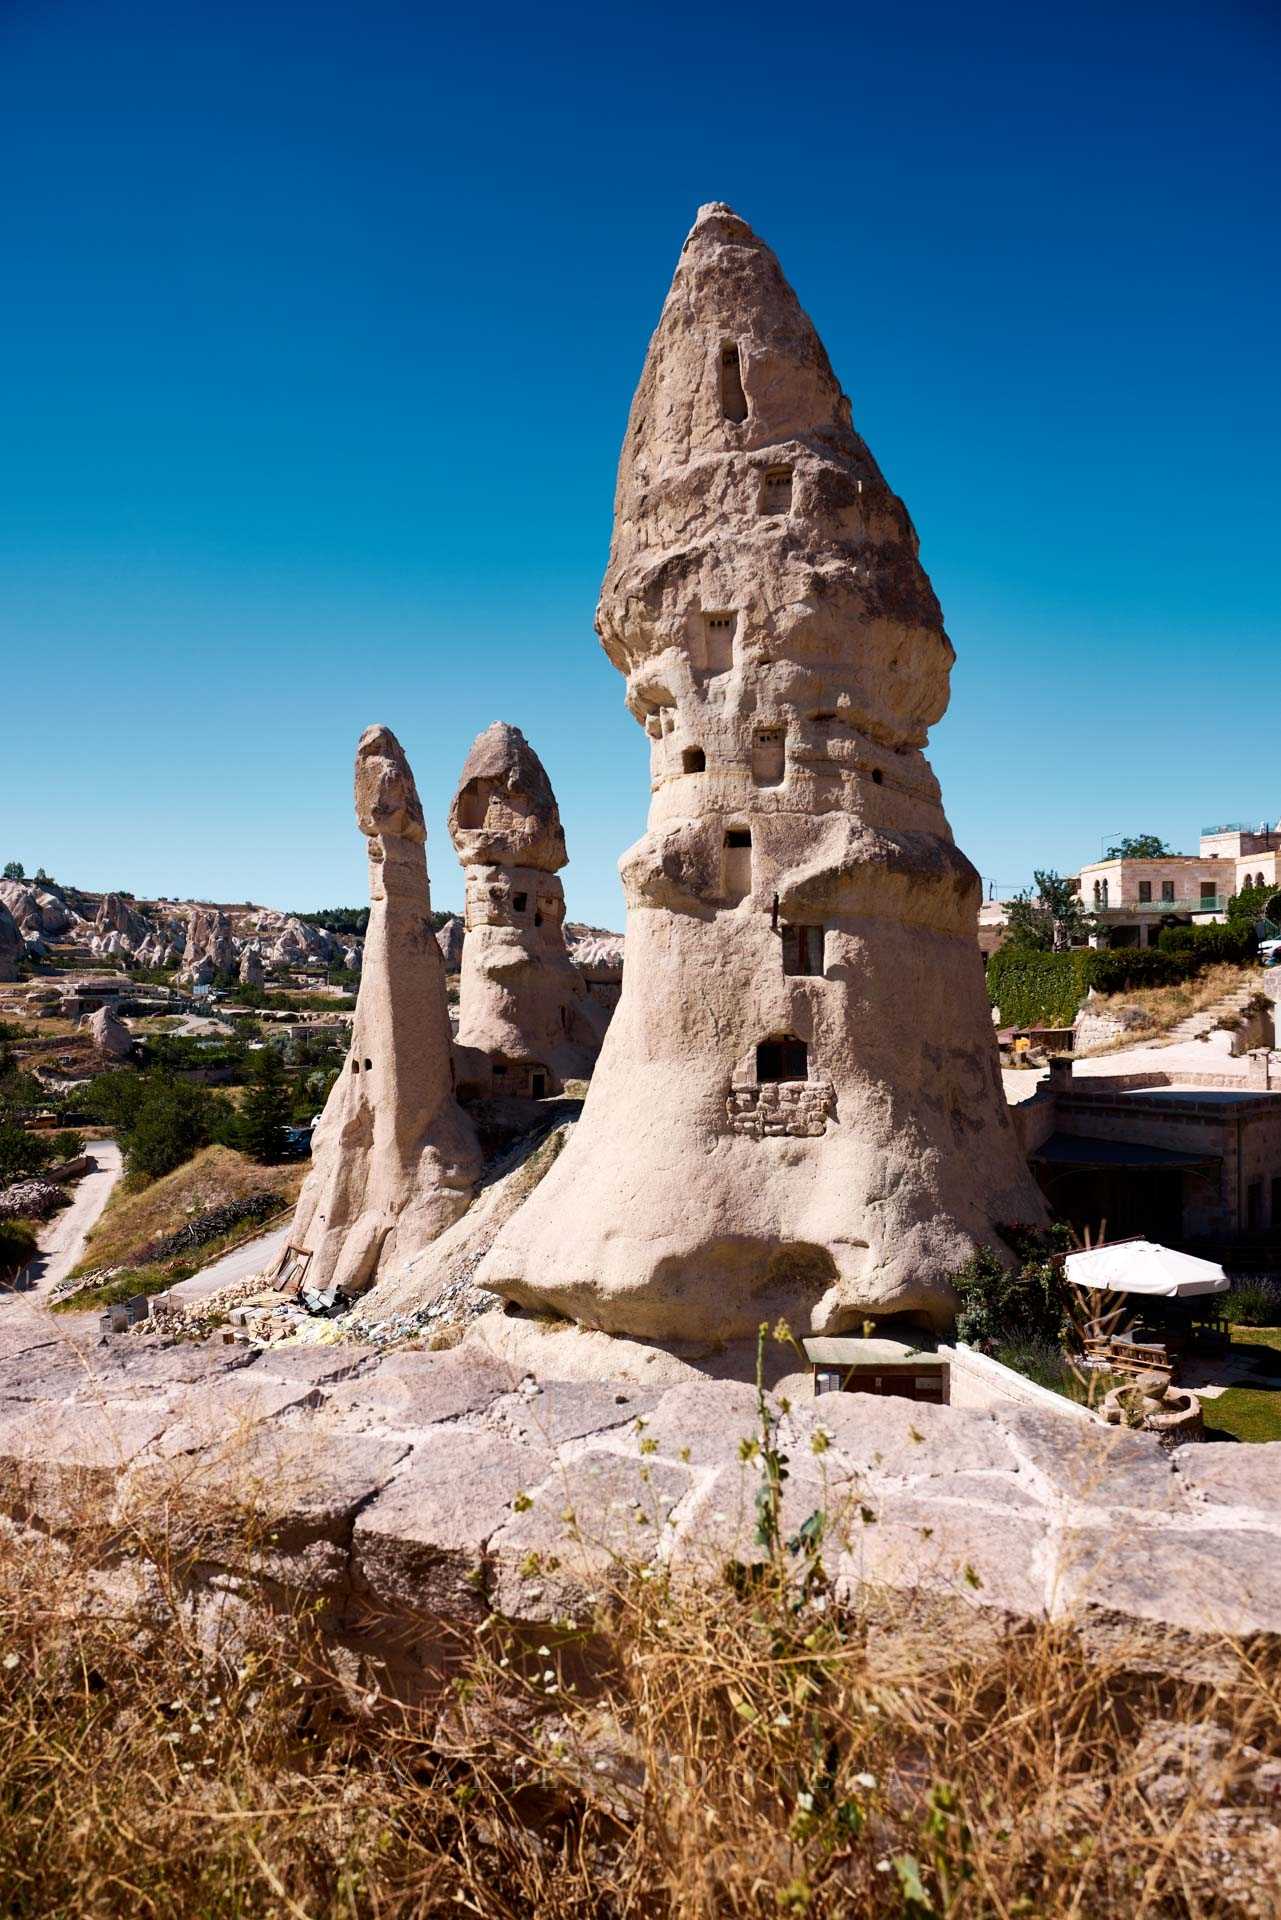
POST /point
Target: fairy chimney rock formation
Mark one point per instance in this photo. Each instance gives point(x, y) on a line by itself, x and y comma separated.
point(798, 1110)
point(395, 1159)
point(526, 1022)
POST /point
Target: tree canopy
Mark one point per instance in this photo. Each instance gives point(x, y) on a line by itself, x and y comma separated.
point(1052, 919)
point(1141, 846)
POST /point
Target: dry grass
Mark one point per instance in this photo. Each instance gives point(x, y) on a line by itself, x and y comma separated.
point(746, 1752)
point(131, 1221)
point(1167, 1006)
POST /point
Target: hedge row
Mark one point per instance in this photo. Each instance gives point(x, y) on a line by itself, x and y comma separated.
point(1036, 989)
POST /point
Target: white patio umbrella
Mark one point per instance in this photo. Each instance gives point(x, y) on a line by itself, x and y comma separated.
point(1143, 1266)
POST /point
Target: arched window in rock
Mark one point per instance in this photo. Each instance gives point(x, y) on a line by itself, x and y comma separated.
point(733, 399)
point(781, 1057)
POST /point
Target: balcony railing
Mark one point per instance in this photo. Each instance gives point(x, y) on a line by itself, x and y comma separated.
point(1205, 903)
point(1231, 826)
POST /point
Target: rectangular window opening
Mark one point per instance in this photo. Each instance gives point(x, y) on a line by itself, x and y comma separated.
point(776, 492)
point(802, 950)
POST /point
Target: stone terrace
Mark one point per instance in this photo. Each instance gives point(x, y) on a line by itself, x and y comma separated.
point(436, 1488)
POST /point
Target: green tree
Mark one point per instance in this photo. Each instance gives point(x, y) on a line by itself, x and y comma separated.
point(1140, 846)
point(21, 1153)
point(173, 1121)
point(1052, 919)
point(1249, 905)
point(14, 870)
point(265, 1111)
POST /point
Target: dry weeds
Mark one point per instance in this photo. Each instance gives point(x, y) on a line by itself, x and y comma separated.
point(132, 1220)
point(174, 1746)
point(1167, 1006)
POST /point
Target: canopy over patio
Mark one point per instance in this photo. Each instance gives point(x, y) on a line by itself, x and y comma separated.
point(1142, 1266)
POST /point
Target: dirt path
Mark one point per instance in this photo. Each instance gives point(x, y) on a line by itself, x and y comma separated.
point(254, 1256)
point(62, 1240)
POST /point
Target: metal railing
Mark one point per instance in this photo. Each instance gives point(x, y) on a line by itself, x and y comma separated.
point(1206, 903)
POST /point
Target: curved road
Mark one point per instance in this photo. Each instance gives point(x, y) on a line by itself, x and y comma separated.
point(62, 1239)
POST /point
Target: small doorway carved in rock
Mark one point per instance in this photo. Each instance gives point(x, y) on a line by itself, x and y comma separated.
point(537, 1084)
point(733, 399)
point(768, 756)
point(736, 864)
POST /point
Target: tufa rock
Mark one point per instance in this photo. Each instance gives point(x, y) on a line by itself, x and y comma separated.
point(395, 1158)
point(109, 1034)
point(13, 947)
point(449, 938)
point(251, 967)
point(526, 1022)
point(798, 1110)
point(210, 948)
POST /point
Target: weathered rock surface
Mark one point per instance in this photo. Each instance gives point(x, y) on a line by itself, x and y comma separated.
point(449, 938)
point(109, 1034)
point(798, 1109)
point(432, 1487)
point(251, 967)
point(395, 1159)
point(36, 909)
point(210, 948)
point(13, 947)
point(526, 1022)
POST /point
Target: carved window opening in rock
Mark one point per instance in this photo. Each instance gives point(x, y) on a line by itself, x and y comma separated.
point(538, 919)
point(877, 776)
point(718, 641)
point(733, 399)
point(736, 864)
point(776, 490)
point(519, 902)
point(500, 1067)
point(803, 949)
point(355, 1066)
point(693, 760)
point(369, 1066)
point(537, 1085)
point(768, 756)
point(473, 804)
point(781, 1057)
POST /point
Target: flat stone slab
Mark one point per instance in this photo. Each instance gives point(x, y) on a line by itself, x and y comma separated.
point(436, 1486)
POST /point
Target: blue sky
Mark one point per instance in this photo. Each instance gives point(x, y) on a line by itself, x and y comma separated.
point(320, 327)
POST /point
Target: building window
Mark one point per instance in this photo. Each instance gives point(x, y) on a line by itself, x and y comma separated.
point(718, 640)
point(768, 756)
point(776, 490)
point(1209, 889)
point(733, 399)
point(1167, 891)
point(1104, 899)
point(693, 760)
point(802, 950)
point(1254, 1206)
point(519, 902)
point(1145, 892)
point(783, 1057)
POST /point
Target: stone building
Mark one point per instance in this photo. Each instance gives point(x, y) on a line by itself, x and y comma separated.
point(526, 1021)
point(798, 1108)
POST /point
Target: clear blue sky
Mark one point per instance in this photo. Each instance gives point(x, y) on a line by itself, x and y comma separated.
point(319, 328)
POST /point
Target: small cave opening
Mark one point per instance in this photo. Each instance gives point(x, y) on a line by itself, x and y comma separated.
point(733, 399)
point(781, 1057)
point(693, 760)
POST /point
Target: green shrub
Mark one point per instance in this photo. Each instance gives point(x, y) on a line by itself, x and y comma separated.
point(68, 1146)
point(1037, 989)
point(17, 1246)
point(1122, 967)
point(1014, 1306)
point(1253, 1301)
point(22, 1153)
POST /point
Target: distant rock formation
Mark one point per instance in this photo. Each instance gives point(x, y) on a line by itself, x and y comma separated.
point(251, 967)
point(36, 909)
point(526, 1022)
point(395, 1159)
point(117, 916)
point(109, 1034)
point(798, 1110)
point(210, 948)
point(13, 947)
point(449, 938)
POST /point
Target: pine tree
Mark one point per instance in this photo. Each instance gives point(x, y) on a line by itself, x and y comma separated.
point(265, 1111)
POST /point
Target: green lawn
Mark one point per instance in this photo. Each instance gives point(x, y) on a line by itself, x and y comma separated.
point(1254, 1412)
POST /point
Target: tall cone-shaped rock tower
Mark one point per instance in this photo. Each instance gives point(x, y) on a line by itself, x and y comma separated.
point(798, 1108)
point(526, 1022)
point(395, 1159)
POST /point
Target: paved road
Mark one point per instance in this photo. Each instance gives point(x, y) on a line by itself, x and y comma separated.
point(254, 1256)
point(62, 1240)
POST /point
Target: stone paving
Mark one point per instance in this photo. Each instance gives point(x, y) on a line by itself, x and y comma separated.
point(413, 1484)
